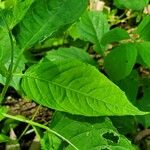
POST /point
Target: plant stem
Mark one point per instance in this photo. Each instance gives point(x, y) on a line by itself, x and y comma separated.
point(40, 126)
point(34, 115)
point(10, 68)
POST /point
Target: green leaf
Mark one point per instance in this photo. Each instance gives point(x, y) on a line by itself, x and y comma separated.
point(4, 38)
point(125, 124)
point(44, 18)
point(51, 142)
point(144, 103)
point(130, 85)
point(2, 110)
point(144, 52)
point(15, 82)
point(114, 35)
point(74, 87)
point(89, 133)
point(92, 27)
point(143, 29)
point(120, 61)
point(15, 10)
point(4, 138)
point(71, 53)
point(131, 4)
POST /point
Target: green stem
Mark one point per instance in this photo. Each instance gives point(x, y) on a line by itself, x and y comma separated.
point(10, 68)
point(40, 126)
point(25, 130)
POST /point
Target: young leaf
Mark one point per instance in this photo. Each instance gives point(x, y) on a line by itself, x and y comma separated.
point(44, 18)
point(92, 27)
point(143, 29)
point(144, 52)
point(74, 87)
point(89, 133)
point(131, 4)
point(120, 61)
point(114, 35)
point(71, 53)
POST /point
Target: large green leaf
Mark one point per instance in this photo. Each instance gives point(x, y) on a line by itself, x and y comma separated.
point(143, 29)
point(115, 35)
point(71, 53)
point(74, 87)
point(89, 133)
point(131, 4)
point(120, 61)
point(92, 27)
point(144, 52)
point(44, 18)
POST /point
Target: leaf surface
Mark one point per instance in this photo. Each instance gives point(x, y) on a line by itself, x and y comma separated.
point(144, 52)
point(74, 87)
point(45, 18)
point(143, 29)
point(120, 61)
point(131, 4)
point(115, 35)
point(89, 133)
point(70, 53)
point(4, 38)
point(92, 27)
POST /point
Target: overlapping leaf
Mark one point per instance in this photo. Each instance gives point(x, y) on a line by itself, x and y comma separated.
point(44, 18)
point(92, 27)
point(71, 53)
point(15, 10)
point(88, 133)
point(143, 29)
point(74, 87)
point(131, 4)
point(144, 52)
point(115, 35)
point(120, 61)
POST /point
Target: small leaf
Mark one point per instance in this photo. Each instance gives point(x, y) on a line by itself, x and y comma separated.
point(71, 53)
point(92, 27)
point(144, 52)
point(114, 35)
point(74, 87)
point(89, 133)
point(143, 29)
point(45, 18)
point(131, 4)
point(120, 61)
